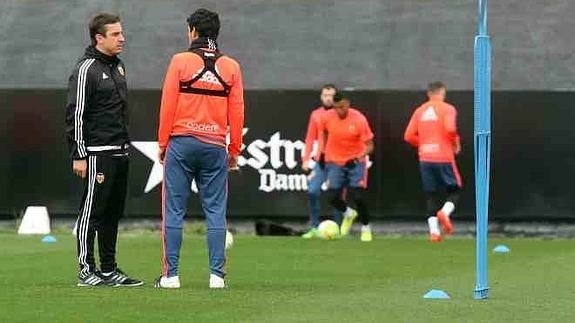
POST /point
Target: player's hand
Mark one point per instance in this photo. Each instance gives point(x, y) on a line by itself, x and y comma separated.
point(350, 164)
point(457, 148)
point(321, 161)
point(162, 155)
point(80, 166)
point(305, 167)
point(233, 162)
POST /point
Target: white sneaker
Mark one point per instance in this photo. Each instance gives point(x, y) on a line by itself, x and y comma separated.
point(217, 282)
point(167, 282)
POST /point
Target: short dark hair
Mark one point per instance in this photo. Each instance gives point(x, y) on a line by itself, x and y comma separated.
point(338, 97)
point(434, 86)
point(329, 86)
point(98, 24)
point(207, 23)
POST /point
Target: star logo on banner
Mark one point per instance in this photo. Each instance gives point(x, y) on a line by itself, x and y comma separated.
point(151, 150)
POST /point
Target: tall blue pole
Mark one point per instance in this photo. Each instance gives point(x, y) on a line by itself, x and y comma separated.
point(482, 136)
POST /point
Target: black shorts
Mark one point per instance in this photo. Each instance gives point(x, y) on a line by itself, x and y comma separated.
point(436, 176)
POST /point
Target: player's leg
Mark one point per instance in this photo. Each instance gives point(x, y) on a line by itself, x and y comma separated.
point(453, 193)
point(212, 179)
point(117, 178)
point(336, 179)
point(315, 180)
point(357, 179)
point(89, 222)
point(432, 205)
point(452, 182)
point(175, 192)
point(429, 184)
point(337, 215)
point(107, 232)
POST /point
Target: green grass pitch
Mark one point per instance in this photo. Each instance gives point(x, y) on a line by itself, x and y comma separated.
point(292, 280)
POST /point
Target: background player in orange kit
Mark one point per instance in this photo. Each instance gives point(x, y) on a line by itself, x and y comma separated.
point(348, 141)
point(433, 131)
point(314, 162)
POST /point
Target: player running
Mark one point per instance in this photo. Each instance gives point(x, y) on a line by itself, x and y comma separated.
point(313, 160)
point(202, 97)
point(433, 131)
point(348, 142)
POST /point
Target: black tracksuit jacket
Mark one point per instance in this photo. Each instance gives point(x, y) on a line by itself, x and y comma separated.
point(96, 109)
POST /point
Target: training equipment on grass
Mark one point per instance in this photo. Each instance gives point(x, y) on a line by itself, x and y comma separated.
point(229, 239)
point(436, 294)
point(35, 221)
point(49, 239)
point(482, 135)
point(328, 230)
point(501, 249)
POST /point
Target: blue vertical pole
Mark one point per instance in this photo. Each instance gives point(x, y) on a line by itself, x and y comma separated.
point(482, 136)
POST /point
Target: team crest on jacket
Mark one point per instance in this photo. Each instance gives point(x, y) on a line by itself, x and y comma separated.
point(100, 178)
point(121, 70)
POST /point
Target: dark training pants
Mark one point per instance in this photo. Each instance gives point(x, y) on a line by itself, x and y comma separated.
point(102, 207)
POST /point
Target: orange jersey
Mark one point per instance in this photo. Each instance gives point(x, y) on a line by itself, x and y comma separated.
point(346, 138)
point(313, 133)
point(208, 118)
point(433, 131)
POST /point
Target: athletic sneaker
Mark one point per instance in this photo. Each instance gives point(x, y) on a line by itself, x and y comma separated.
point(90, 280)
point(434, 238)
point(118, 278)
point(217, 282)
point(366, 235)
point(167, 282)
point(445, 222)
point(348, 218)
point(311, 234)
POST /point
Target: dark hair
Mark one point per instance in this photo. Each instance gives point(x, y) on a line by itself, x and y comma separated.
point(434, 86)
point(338, 97)
point(98, 24)
point(207, 23)
point(329, 86)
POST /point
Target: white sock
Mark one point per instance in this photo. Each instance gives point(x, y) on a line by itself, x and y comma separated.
point(448, 208)
point(366, 228)
point(433, 225)
point(348, 211)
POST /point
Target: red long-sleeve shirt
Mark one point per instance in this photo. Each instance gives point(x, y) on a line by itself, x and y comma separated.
point(313, 134)
point(433, 131)
point(207, 118)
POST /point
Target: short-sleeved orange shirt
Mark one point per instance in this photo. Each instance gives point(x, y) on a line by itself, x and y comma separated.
point(346, 138)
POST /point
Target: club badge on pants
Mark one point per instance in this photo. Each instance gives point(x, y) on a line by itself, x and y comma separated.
point(100, 178)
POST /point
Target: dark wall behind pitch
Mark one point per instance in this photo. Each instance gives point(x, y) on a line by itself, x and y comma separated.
point(533, 158)
point(296, 44)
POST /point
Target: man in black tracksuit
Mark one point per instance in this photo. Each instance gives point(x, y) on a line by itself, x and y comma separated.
point(97, 132)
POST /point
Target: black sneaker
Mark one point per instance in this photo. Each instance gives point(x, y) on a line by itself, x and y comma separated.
point(119, 279)
point(90, 280)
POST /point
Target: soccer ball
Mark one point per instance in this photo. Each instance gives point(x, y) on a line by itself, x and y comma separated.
point(328, 230)
point(229, 239)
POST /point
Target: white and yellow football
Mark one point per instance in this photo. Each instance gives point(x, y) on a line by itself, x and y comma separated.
point(328, 230)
